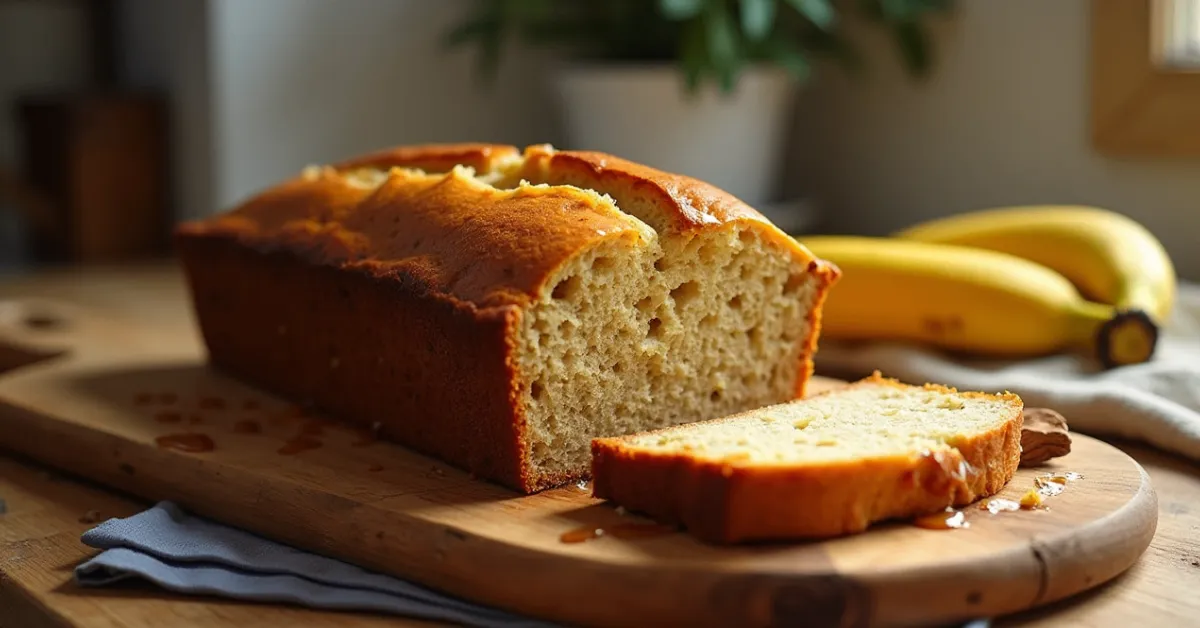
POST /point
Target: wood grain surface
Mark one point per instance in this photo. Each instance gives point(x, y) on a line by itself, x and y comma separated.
point(98, 409)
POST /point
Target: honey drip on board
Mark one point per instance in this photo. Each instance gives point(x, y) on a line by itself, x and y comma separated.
point(1044, 487)
point(619, 531)
point(188, 443)
point(949, 519)
point(579, 535)
point(1053, 484)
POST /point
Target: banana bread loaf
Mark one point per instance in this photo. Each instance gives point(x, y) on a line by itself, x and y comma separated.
point(825, 466)
point(499, 308)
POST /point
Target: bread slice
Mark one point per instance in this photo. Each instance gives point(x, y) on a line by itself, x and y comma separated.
point(499, 308)
point(829, 465)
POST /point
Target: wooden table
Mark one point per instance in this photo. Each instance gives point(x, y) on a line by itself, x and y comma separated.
point(39, 535)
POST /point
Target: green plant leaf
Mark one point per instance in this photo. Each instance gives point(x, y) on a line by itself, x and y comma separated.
point(819, 12)
point(722, 44)
point(914, 47)
point(789, 56)
point(722, 40)
point(692, 56)
point(758, 17)
point(677, 9)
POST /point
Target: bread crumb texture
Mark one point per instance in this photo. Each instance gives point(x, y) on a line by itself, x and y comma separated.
point(858, 424)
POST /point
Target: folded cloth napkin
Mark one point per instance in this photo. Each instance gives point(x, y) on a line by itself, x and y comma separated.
point(187, 554)
point(1157, 402)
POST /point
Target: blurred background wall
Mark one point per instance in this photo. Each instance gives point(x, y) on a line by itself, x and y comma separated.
point(263, 88)
point(257, 89)
point(1004, 121)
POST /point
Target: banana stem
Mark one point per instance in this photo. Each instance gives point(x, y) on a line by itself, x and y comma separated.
point(1117, 337)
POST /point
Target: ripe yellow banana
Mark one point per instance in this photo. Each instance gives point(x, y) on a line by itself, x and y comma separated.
point(1109, 257)
point(967, 299)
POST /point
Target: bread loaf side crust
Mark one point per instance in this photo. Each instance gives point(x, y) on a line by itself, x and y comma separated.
point(364, 349)
point(728, 502)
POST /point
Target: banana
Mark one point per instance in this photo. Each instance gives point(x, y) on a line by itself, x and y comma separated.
point(1109, 257)
point(969, 300)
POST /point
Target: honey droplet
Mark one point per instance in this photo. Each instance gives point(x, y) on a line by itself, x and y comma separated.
point(1031, 499)
point(950, 519)
point(1053, 484)
point(299, 444)
point(247, 427)
point(212, 403)
point(579, 535)
point(188, 443)
point(168, 417)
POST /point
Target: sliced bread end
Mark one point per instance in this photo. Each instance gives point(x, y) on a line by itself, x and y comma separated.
point(829, 465)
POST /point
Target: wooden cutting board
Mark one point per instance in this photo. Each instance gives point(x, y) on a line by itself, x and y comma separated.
point(95, 397)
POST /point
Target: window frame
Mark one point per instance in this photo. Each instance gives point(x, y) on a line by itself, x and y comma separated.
point(1140, 105)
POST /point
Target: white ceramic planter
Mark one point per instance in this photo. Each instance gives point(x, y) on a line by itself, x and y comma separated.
point(734, 141)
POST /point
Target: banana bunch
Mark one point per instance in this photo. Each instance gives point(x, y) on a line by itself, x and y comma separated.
point(1006, 282)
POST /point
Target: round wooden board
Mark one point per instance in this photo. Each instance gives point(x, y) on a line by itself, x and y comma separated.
point(388, 509)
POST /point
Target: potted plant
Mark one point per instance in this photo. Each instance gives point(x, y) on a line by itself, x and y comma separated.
point(700, 87)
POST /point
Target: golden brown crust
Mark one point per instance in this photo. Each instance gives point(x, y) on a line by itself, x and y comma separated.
point(399, 300)
point(433, 157)
point(430, 229)
point(723, 501)
point(690, 203)
point(363, 349)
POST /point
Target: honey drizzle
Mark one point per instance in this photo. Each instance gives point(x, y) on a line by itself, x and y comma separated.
point(948, 519)
point(619, 531)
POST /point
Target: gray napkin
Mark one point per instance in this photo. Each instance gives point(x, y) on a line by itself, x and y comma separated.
point(187, 554)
